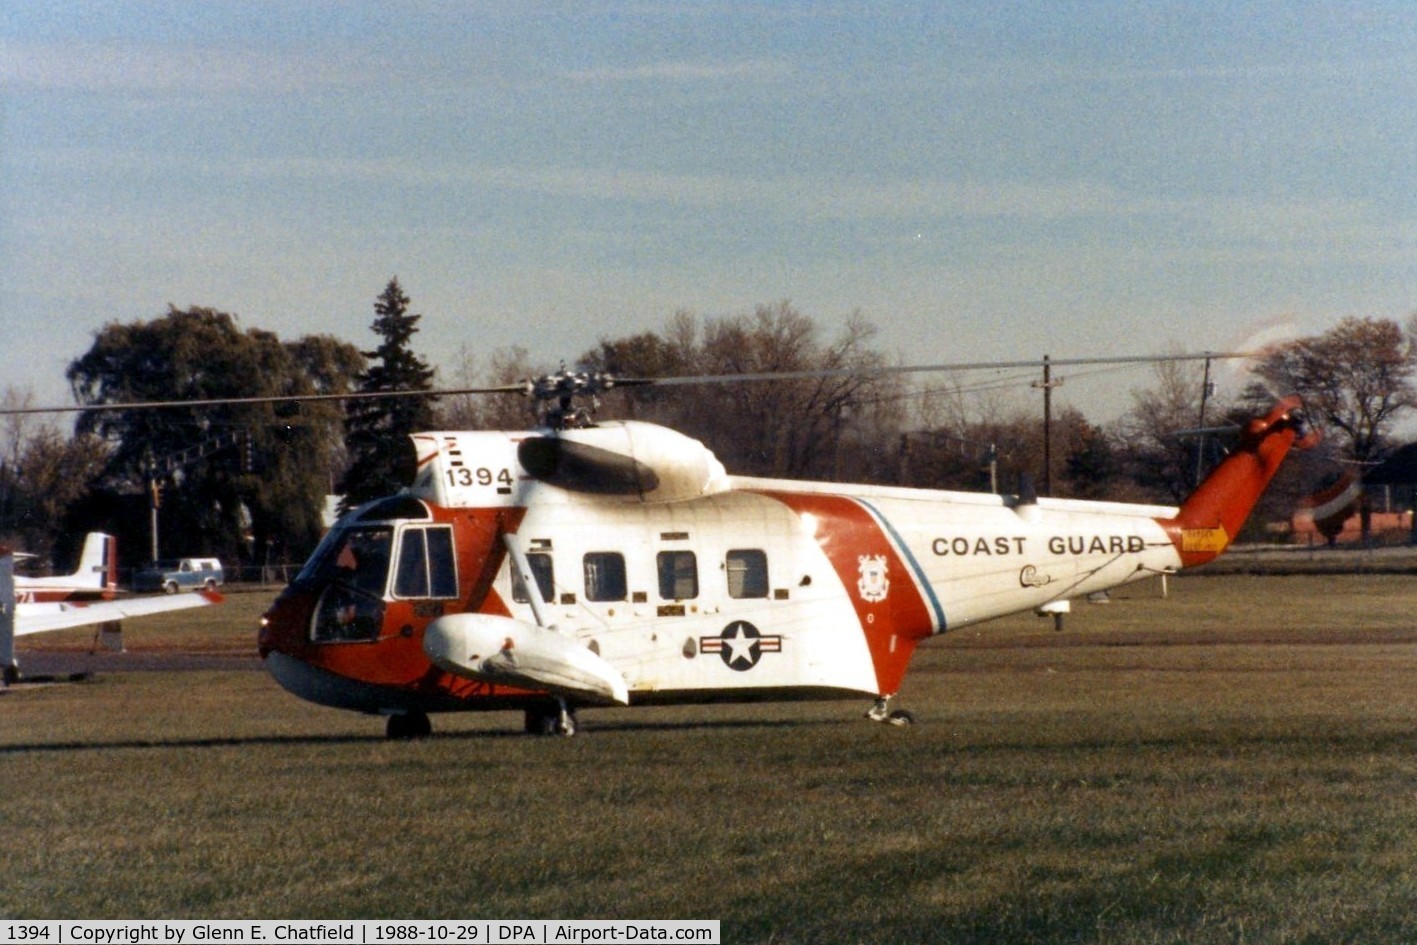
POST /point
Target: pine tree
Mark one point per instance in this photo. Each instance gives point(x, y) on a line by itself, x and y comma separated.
point(377, 428)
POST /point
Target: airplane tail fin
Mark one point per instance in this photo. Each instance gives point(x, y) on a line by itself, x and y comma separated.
point(98, 564)
point(1214, 514)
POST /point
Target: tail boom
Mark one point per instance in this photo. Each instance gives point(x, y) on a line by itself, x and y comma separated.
point(1214, 514)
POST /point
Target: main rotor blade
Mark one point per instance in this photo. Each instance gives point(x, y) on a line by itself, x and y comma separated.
point(925, 369)
point(678, 381)
point(272, 399)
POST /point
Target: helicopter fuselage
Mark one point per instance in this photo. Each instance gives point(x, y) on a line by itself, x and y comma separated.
point(622, 565)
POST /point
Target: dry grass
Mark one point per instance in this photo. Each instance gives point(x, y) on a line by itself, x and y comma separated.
point(1233, 764)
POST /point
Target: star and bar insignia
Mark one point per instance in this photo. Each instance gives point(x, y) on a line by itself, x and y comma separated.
point(740, 645)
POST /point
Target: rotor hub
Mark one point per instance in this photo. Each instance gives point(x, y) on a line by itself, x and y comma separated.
point(561, 392)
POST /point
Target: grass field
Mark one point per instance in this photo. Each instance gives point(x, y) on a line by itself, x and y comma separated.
point(1236, 763)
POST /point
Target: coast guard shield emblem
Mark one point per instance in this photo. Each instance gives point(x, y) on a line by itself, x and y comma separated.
point(874, 585)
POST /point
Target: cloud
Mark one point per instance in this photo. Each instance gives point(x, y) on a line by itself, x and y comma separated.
point(753, 70)
point(1350, 230)
point(132, 67)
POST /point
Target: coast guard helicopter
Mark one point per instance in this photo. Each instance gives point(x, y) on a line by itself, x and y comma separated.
point(619, 563)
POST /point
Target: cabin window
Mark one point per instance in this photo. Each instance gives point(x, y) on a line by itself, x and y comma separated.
point(605, 576)
point(425, 567)
point(356, 565)
point(540, 564)
point(747, 573)
point(678, 575)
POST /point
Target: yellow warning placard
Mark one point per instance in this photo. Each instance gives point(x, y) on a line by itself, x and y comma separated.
point(1204, 540)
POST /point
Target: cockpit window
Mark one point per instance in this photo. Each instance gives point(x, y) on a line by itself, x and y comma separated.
point(356, 568)
point(363, 559)
point(425, 566)
point(358, 555)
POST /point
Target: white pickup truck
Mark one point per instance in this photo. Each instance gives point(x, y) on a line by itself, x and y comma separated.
point(179, 574)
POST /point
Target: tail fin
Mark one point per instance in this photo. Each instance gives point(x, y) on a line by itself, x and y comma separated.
point(98, 564)
point(1214, 514)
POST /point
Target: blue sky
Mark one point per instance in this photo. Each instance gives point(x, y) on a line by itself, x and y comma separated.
point(980, 180)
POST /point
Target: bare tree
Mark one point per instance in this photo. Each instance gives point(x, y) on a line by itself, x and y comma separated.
point(17, 426)
point(53, 474)
point(1163, 460)
point(831, 426)
point(505, 367)
point(1355, 379)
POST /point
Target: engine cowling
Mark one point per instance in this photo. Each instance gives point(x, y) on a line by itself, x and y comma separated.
point(627, 458)
point(636, 461)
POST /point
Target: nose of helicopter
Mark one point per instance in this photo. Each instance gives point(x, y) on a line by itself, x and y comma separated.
point(266, 636)
point(281, 626)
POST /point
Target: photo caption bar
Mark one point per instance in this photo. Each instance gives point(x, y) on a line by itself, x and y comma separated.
point(356, 931)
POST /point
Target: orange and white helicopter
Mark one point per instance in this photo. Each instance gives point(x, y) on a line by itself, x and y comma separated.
point(618, 563)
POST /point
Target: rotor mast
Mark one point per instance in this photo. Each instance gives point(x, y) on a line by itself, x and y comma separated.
point(560, 391)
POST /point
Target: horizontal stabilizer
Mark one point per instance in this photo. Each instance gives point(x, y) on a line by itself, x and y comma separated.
point(513, 652)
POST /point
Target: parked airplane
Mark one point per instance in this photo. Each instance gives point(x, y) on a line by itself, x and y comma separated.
point(96, 576)
point(28, 607)
point(619, 563)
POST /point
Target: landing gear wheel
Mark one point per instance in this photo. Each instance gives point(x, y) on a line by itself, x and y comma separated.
point(546, 720)
point(881, 712)
point(403, 726)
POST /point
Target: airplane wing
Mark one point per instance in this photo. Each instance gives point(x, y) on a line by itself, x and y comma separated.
point(42, 618)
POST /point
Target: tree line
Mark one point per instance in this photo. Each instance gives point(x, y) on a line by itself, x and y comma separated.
point(249, 481)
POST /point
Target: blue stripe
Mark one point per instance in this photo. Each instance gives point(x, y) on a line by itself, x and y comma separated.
point(903, 550)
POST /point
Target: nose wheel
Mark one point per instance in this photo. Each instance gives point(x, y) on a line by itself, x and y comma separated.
point(548, 720)
point(882, 712)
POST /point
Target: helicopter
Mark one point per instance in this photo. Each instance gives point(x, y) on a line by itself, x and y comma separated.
point(618, 563)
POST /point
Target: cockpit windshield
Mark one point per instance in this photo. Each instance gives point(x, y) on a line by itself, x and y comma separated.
point(353, 566)
point(358, 556)
point(362, 561)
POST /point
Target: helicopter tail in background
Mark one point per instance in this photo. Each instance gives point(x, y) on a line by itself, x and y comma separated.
point(1214, 514)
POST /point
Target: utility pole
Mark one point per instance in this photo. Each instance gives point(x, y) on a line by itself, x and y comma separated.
point(1048, 384)
point(1207, 389)
point(154, 503)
